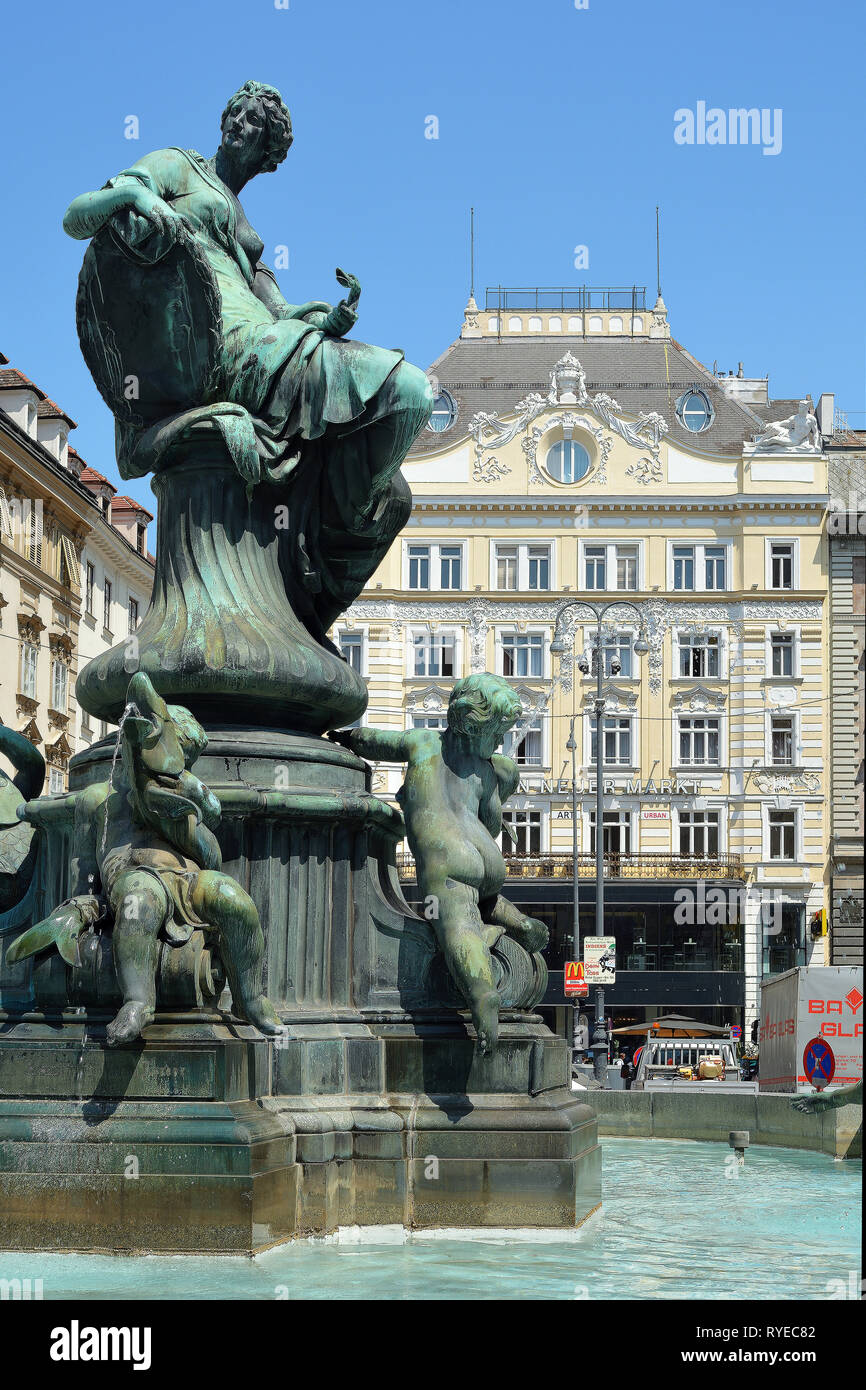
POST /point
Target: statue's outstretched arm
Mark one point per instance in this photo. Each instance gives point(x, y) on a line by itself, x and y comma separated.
point(389, 745)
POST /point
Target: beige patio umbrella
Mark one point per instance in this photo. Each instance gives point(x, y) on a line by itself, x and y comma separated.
point(673, 1026)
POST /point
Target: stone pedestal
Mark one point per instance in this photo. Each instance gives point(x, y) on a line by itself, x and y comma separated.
point(373, 1109)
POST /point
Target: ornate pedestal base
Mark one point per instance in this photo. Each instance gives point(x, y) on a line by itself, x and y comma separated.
point(207, 1138)
point(374, 1108)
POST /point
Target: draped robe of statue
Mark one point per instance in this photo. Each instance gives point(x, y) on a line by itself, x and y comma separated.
point(258, 426)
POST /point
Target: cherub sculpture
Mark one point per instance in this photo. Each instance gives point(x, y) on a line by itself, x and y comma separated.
point(145, 860)
point(452, 799)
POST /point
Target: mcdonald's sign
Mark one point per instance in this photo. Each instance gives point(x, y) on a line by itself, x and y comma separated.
point(574, 979)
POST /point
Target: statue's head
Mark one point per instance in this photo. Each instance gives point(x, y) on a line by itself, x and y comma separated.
point(191, 736)
point(257, 118)
point(482, 708)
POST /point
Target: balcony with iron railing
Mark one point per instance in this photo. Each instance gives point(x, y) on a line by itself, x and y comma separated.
point(617, 865)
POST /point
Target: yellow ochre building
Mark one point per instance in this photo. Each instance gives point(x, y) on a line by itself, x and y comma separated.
point(578, 453)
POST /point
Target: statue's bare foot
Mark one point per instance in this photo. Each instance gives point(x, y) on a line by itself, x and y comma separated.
point(127, 1026)
point(262, 1013)
point(531, 934)
point(485, 1016)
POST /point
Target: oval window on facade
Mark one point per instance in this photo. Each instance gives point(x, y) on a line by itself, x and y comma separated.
point(444, 413)
point(567, 461)
point(694, 411)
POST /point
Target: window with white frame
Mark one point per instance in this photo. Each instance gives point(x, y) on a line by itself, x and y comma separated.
point(434, 653)
point(89, 586)
point(781, 564)
point(430, 721)
point(522, 653)
point(699, 833)
point(133, 614)
point(351, 645)
point(782, 835)
point(56, 780)
point(615, 832)
point(617, 740)
point(699, 567)
point(699, 654)
point(435, 566)
point(783, 740)
point(29, 659)
point(525, 744)
point(525, 837)
point(782, 654)
point(106, 605)
point(699, 741)
point(617, 647)
point(613, 566)
point(59, 685)
point(521, 566)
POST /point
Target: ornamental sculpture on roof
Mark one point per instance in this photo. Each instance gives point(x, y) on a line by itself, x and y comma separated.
point(798, 432)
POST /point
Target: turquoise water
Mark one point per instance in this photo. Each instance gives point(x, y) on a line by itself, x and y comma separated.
point(674, 1226)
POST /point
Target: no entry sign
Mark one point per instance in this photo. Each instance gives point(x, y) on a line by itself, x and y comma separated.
point(575, 982)
point(819, 1064)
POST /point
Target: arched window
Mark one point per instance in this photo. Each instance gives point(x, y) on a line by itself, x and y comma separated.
point(615, 325)
point(535, 324)
point(515, 325)
point(595, 323)
point(493, 325)
point(575, 324)
point(567, 461)
point(637, 324)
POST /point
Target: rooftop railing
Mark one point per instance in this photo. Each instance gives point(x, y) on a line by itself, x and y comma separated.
point(547, 298)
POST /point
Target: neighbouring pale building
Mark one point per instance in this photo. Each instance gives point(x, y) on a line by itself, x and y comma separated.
point(74, 571)
point(846, 527)
point(579, 452)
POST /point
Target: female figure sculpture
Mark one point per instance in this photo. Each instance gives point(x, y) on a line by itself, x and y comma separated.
point(201, 359)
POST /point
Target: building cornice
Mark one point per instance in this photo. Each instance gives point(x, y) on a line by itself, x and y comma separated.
point(616, 502)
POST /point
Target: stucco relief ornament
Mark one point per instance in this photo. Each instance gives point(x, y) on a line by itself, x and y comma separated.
point(797, 433)
point(783, 783)
point(646, 471)
point(568, 382)
point(569, 422)
point(489, 432)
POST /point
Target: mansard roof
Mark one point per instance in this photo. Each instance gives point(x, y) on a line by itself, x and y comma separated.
point(492, 374)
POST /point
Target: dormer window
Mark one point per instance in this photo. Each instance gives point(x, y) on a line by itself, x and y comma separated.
point(444, 413)
point(694, 411)
point(141, 539)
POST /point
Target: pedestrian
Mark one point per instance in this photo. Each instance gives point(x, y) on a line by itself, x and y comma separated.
point(625, 1072)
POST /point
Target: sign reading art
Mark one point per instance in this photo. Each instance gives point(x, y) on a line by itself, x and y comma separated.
point(599, 960)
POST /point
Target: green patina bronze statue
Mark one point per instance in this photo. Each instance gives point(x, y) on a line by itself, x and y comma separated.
point(146, 863)
point(830, 1100)
point(200, 357)
point(452, 801)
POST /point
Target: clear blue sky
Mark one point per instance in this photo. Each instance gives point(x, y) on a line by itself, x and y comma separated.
point(556, 123)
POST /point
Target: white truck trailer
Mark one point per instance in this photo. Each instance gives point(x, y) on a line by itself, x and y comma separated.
point(812, 1002)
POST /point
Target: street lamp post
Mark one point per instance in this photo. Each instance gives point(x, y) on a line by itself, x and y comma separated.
point(559, 645)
